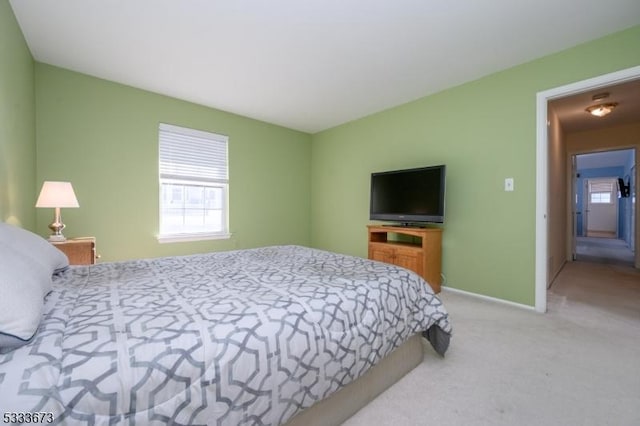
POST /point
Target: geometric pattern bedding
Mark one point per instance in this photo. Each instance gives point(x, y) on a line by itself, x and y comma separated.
point(228, 338)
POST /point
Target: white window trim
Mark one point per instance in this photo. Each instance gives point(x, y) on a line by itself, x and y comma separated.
point(181, 238)
point(194, 236)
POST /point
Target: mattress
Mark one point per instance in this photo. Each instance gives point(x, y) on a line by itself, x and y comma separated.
point(242, 337)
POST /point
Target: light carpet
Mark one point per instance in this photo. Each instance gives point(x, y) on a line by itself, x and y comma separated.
point(604, 250)
point(578, 364)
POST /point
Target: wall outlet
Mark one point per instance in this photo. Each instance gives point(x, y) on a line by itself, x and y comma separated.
point(508, 184)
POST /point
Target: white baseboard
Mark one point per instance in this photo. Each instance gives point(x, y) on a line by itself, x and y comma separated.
point(489, 298)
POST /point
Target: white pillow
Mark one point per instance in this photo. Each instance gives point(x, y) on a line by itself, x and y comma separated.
point(24, 283)
point(34, 246)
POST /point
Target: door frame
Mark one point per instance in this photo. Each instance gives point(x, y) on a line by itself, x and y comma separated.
point(585, 207)
point(574, 206)
point(542, 169)
point(634, 208)
point(571, 156)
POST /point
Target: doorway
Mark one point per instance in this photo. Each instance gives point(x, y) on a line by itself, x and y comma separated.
point(604, 212)
point(542, 260)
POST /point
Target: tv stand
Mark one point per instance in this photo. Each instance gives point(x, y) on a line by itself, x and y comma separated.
point(405, 225)
point(424, 257)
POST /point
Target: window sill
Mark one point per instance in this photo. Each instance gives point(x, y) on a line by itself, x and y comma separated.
point(179, 238)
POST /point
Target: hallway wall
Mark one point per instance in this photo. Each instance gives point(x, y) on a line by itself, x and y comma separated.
point(558, 219)
point(627, 203)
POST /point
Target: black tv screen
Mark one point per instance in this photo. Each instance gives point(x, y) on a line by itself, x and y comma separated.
point(408, 196)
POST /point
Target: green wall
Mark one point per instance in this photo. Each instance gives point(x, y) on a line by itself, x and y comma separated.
point(288, 186)
point(484, 131)
point(103, 137)
point(17, 124)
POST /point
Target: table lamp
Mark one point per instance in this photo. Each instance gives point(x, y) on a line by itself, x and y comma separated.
point(57, 195)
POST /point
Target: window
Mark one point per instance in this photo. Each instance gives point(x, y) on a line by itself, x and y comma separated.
point(194, 184)
point(601, 197)
point(600, 192)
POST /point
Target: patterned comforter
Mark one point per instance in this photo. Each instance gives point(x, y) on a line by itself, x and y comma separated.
point(241, 337)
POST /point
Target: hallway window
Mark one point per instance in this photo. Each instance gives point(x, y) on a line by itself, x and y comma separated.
point(601, 197)
point(600, 193)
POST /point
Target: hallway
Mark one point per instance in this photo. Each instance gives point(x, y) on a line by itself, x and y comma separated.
point(598, 290)
point(604, 250)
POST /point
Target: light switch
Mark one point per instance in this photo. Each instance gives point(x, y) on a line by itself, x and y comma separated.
point(508, 184)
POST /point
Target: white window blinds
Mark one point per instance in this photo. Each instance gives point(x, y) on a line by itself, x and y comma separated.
point(601, 186)
point(192, 155)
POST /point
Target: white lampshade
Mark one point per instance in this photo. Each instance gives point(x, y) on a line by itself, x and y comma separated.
point(57, 194)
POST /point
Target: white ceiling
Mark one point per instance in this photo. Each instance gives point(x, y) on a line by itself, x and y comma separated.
point(307, 65)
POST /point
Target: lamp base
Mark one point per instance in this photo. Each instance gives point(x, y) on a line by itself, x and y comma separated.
point(57, 226)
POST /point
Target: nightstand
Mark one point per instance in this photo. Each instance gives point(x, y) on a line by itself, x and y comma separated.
point(80, 251)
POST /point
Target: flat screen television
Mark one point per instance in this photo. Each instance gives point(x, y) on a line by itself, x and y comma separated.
point(408, 196)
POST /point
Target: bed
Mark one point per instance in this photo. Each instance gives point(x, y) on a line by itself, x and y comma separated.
point(258, 336)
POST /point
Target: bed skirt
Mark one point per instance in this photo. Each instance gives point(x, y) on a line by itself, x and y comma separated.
point(348, 400)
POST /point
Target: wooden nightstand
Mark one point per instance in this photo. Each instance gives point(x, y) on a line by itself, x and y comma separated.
point(80, 251)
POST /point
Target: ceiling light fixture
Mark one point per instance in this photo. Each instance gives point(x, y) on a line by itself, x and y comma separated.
point(602, 109)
